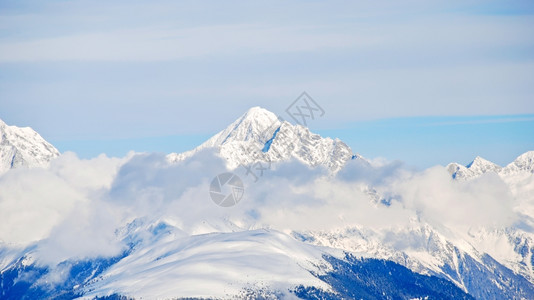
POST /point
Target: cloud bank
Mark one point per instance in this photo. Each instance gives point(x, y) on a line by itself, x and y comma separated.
point(76, 208)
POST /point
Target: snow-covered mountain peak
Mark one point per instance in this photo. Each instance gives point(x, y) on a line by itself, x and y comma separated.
point(258, 112)
point(259, 135)
point(523, 163)
point(23, 147)
point(480, 166)
point(254, 125)
point(477, 161)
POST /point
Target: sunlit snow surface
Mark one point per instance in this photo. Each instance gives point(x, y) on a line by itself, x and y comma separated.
point(144, 225)
point(211, 265)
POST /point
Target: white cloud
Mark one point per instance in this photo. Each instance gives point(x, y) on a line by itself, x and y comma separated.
point(485, 201)
point(77, 215)
point(61, 204)
point(32, 202)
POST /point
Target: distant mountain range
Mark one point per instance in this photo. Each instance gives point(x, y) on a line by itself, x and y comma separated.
point(422, 260)
point(523, 163)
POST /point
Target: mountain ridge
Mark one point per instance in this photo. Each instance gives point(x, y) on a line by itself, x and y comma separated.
point(23, 147)
point(261, 136)
point(524, 163)
point(469, 261)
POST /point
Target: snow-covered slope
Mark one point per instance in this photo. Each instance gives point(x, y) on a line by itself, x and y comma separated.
point(512, 246)
point(259, 135)
point(23, 147)
point(167, 263)
point(162, 263)
point(489, 265)
point(524, 163)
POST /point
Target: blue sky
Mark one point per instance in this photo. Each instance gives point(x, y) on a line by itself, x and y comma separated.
point(425, 83)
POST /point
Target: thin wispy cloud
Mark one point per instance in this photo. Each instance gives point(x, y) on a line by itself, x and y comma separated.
point(179, 37)
point(491, 120)
point(157, 44)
